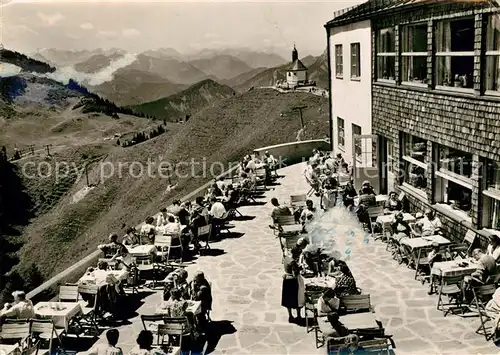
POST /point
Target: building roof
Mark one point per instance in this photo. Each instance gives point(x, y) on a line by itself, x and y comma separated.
point(297, 65)
point(377, 7)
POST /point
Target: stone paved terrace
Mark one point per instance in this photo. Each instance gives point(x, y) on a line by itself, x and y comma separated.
point(246, 282)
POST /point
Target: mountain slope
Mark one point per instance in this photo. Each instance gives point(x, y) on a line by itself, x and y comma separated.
point(25, 63)
point(221, 66)
point(189, 101)
point(132, 87)
point(240, 79)
point(171, 69)
point(96, 62)
point(254, 59)
point(214, 136)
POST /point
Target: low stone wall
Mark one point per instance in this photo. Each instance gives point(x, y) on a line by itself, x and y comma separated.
point(294, 152)
point(454, 229)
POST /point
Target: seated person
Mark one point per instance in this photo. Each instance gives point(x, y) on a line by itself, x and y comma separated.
point(246, 182)
point(363, 216)
point(367, 187)
point(113, 249)
point(144, 346)
point(400, 228)
point(270, 160)
point(434, 256)
point(486, 267)
point(214, 191)
point(307, 214)
point(278, 210)
point(332, 328)
point(494, 247)
point(231, 197)
point(172, 226)
point(131, 237)
point(392, 204)
point(345, 283)
point(20, 309)
point(148, 229)
point(202, 291)
point(328, 302)
point(493, 307)
point(175, 306)
point(177, 279)
point(109, 347)
point(163, 217)
point(180, 212)
point(430, 224)
point(349, 195)
point(197, 221)
point(367, 197)
point(329, 193)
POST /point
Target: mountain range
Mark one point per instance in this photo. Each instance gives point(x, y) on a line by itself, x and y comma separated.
point(159, 73)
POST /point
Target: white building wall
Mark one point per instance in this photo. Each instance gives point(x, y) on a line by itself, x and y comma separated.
point(351, 98)
point(294, 77)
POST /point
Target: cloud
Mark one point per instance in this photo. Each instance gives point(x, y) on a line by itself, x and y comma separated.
point(87, 26)
point(107, 34)
point(130, 32)
point(73, 36)
point(18, 30)
point(50, 19)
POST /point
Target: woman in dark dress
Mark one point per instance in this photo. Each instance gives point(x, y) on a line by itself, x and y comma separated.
point(293, 292)
point(345, 284)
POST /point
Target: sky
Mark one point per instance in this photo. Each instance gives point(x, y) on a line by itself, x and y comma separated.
point(186, 26)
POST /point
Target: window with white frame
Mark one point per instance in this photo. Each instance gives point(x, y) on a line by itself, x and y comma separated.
point(453, 178)
point(386, 54)
point(414, 153)
point(355, 61)
point(358, 150)
point(340, 133)
point(414, 54)
point(491, 205)
point(492, 73)
point(391, 157)
point(454, 40)
point(339, 68)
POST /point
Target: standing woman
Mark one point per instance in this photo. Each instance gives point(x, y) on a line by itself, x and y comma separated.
point(293, 290)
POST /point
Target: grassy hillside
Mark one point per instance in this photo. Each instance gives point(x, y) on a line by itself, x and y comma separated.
point(221, 133)
point(186, 102)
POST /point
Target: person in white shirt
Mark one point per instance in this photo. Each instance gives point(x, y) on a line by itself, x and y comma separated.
point(148, 228)
point(217, 210)
point(269, 159)
point(21, 309)
point(163, 217)
point(108, 348)
point(493, 248)
point(430, 224)
point(172, 226)
point(251, 165)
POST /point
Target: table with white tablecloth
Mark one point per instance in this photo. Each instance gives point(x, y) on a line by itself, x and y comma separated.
point(101, 277)
point(454, 268)
point(391, 218)
point(61, 313)
point(422, 242)
point(378, 198)
point(143, 250)
point(193, 307)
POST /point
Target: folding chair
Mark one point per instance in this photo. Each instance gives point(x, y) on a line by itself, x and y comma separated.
point(261, 177)
point(482, 294)
point(355, 303)
point(90, 314)
point(422, 262)
point(451, 286)
point(373, 213)
point(173, 327)
point(312, 190)
point(205, 232)
point(401, 252)
point(375, 346)
point(469, 239)
point(151, 322)
point(311, 299)
point(45, 330)
point(283, 231)
point(16, 331)
point(457, 250)
point(68, 293)
point(165, 243)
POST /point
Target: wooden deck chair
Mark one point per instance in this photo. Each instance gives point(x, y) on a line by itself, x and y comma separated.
point(311, 299)
point(151, 323)
point(164, 243)
point(355, 303)
point(297, 201)
point(204, 234)
point(290, 242)
point(373, 213)
point(375, 346)
point(401, 252)
point(68, 293)
point(422, 265)
point(282, 221)
point(451, 286)
point(312, 185)
point(469, 239)
point(45, 330)
point(90, 314)
point(261, 175)
point(401, 196)
point(15, 331)
point(173, 327)
point(482, 294)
